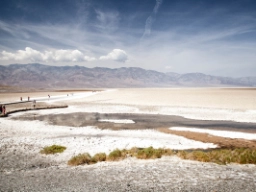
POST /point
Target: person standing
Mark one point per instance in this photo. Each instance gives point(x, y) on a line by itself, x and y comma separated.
point(3, 108)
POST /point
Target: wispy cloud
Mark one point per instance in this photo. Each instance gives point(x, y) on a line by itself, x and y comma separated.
point(150, 20)
point(65, 36)
point(108, 21)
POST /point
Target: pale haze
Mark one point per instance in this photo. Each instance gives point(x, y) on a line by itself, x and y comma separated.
point(215, 37)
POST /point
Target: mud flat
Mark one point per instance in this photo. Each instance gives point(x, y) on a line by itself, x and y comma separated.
point(124, 118)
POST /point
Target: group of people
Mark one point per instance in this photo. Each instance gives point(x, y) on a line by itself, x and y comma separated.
point(2, 109)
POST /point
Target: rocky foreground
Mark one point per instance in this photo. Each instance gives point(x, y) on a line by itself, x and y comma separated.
point(165, 174)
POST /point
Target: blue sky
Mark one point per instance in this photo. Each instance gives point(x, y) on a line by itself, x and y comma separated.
point(216, 37)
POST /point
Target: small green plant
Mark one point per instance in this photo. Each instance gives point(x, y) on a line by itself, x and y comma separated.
point(53, 149)
point(115, 155)
point(80, 159)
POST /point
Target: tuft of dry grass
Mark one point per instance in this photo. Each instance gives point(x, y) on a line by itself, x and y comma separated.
point(80, 159)
point(222, 156)
point(99, 157)
point(116, 155)
point(150, 153)
point(85, 158)
point(53, 149)
point(219, 156)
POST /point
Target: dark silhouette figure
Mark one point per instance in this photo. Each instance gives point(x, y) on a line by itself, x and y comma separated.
point(3, 108)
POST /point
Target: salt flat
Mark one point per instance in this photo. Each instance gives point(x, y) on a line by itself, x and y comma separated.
point(21, 141)
point(195, 103)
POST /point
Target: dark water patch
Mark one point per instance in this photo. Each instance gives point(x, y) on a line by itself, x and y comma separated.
point(142, 121)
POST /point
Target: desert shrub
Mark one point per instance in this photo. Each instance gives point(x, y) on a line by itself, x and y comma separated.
point(219, 156)
point(150, 153)
point(247, 156)
point(99, 157)
point(182, 154)
point(132, 152)
point(145, 153)
point(53, 149)
point(168, 152)
point(115, 155)
point(80, 159)
point(222, 156)
point(199, 156)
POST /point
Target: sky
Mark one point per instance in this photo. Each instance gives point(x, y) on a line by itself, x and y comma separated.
point(216, 37)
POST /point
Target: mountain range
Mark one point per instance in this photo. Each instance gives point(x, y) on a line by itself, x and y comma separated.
point(41, 76)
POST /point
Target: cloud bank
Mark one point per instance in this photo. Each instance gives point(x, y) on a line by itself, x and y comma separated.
point(116, 55)
point(54, 55)
point(61, 55)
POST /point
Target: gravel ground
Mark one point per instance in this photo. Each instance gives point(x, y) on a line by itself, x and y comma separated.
point(165, 174)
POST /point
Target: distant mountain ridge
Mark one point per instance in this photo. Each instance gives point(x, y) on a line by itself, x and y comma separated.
point(44, 76)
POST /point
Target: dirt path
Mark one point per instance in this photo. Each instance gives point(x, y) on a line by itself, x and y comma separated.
point(27, 106)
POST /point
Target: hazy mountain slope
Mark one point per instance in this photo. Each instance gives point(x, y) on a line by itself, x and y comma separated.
point(44, 76)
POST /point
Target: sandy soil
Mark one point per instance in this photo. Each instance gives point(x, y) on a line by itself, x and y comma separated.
point(222, 142)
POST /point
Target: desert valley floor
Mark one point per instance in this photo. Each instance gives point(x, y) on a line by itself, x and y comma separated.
point(103, 120)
